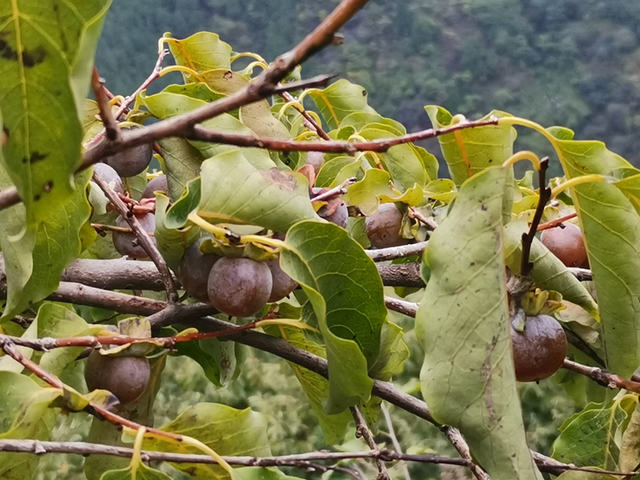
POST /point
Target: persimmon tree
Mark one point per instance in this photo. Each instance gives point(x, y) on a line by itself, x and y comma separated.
point(282, 209)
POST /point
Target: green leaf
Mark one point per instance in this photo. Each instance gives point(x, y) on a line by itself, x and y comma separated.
point(359, 120)
point(171, 242)
point(468, 377)
point(46, 69)
point(217, 359)
point(180, 163)
point(375, 188)
point(35, 258)
point(590, 438)
point(479, 147)
point(577, 475)
point(257, 473)
point(316, 388)
point(24, 414)
point(336, 170)
point(176, 216)
point(345, 290)
point(549, 273)
point(611, 228)
point(393, 353)
point(200, 52)
point(234, 191)
point(59, 321)
point(8, 364)
point(339, 100)
point(142, 473)
point(225, 430)
point(402, 161)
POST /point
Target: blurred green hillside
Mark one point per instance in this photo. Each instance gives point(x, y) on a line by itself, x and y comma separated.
point(574, 63)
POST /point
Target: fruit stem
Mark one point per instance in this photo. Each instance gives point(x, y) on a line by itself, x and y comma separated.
point(180, 68)
point(136, 458)
point(220, 233)
point(523, 155)
point(577, 181)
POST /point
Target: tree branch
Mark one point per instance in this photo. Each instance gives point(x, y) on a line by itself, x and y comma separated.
point(602, 377)
point(111, 128)
point(363, 431)
point(391, 253)
point(203, 134)
point(527, 238)
point(394, 439)
point(143, 238)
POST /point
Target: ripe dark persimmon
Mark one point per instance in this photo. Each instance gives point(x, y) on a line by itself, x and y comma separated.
point(383, 228)
point(110, 176)
point(239, 286)
point(156, 184)
point(567, 243)
point(132, 161)
point(283, 284)
point(126, 243)
point(194, 271)
point(539, 350)
point(126, 377)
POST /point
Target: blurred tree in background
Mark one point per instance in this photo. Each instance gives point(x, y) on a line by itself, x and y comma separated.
point(574, 63)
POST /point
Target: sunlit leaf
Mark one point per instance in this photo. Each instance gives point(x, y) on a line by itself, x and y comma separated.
point(339, 100)
point(142, 473)
point(468, 377)
point(469, 151)
point(200, 52)
point(376, 188)
point(234, 191)
point(172, 242)
point(225, 430)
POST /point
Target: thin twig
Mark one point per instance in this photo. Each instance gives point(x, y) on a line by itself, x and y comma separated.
point(428, 222)
point(317, 81)
point(46, 344)
point(335, 191)
point(152, 77)
point(527, 238)
point(111, 128)
point(582, 274)
point(143, 238)
point(99, 227)
point(402, 306)
point(394, 438)
point(363, 431)
point(556, 222)
point(602, 377)
point(37, 447)
point(204, 134)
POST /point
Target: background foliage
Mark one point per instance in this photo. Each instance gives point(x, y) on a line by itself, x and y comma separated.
point(574, 63)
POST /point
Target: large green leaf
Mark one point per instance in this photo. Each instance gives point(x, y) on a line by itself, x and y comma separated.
point(339, 100)
point(611, 229)
point(234, 191)
point(346, 293)
point(200, 52)
point(46, 61)
point(316, 388)
point(630, 445)
point(590, 438)
point(35, 258)
point(473, 149)
point(468, 377)
point(225, 430)
point(549, 273)
point(24, 414)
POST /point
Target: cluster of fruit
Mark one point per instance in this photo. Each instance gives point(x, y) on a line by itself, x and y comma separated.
point(540, 348)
